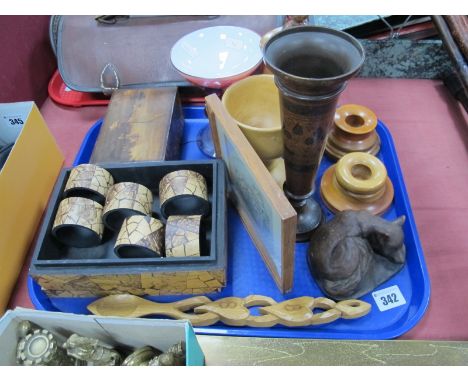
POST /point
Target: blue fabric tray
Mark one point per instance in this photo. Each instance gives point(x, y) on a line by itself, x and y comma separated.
point(247, 274)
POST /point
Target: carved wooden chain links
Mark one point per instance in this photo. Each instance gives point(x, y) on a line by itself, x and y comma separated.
point(234, 311)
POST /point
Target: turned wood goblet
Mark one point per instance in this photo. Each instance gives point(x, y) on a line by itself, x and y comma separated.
point(254, 104)
point(311, 66)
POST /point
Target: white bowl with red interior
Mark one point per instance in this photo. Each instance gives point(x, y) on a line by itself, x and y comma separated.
point(216, 57)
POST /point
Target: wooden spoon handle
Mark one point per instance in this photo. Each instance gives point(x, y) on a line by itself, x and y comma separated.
point(234, 310)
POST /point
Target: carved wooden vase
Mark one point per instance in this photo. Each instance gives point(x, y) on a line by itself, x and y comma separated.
point(311, 66)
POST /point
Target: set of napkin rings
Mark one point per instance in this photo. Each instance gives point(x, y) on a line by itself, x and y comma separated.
point(93, 201)
point(183, 196)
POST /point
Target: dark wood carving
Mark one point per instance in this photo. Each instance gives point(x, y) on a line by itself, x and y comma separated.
point(355, 252)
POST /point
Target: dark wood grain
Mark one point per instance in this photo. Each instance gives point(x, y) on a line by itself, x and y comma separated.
point(140, 125)
point(458, 26)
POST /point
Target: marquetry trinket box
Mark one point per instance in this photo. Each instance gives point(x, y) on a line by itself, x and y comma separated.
point(68, 271)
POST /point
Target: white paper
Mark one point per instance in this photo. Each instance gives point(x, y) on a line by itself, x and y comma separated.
point(388, 298)
point(13, 117)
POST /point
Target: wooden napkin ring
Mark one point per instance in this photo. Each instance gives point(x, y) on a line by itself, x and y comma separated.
point(183, 192)
point(183, 236)
point(89, 181)
point(124, 200)
point(140, 236)
point(78, 222)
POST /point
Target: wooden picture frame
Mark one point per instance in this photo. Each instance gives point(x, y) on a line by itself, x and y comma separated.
point(264, 209)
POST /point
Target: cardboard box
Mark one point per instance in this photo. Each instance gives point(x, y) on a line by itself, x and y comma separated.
point(126, 332)
point(26, 181)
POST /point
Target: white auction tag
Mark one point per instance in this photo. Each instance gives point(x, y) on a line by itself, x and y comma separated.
point(388, 298)
point(13, 117)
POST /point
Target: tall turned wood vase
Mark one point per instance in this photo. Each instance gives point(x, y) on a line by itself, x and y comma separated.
point(311, 66)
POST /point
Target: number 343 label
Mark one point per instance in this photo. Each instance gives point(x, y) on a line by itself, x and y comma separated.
point(388, 298)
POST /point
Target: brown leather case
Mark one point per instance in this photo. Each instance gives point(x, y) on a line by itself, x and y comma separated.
point(131, 51)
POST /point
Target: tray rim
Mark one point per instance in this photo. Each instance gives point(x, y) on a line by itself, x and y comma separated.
point(284, 332)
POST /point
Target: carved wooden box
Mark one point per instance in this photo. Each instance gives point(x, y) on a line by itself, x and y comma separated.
point(97, 271)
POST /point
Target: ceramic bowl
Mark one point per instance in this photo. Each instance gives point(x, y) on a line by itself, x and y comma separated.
point(254, 103)
point(216, 57)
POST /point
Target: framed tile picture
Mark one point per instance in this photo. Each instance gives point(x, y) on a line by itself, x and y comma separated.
point(264, 209)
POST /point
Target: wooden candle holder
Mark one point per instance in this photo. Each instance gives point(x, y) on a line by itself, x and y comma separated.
point(354, 131)
point(358, 181)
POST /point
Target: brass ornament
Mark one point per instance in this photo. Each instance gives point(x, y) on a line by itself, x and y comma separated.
point(92, 351)
point(183, 192)
point(359, 182)
point(89, 181)
point(179, 351)
point(183, 236)
point(354, 131)
point(78, 222)
point(233, 311)
point(140, 236)
point(25, 327)
point(124, 200)
point(141, 356)
point(40, 348)
point(174, 356)
point(167, 359)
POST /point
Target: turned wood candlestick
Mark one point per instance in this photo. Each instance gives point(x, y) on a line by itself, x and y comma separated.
point(357, 182)
point(311, 66)
point(354, 131)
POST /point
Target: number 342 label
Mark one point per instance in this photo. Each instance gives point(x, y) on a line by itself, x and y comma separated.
point(388, 298)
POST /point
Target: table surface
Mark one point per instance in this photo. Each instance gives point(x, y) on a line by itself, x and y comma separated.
point(248, 351)
point(430, 131)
